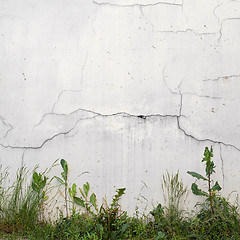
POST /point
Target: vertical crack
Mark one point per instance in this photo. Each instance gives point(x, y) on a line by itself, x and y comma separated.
point(181, 100)
point(7, 125)
point(215, 9)
point(141, 11)
point(221, 26)
point(173, 92)
point(83, 66)
point(222, 168)
point(54, 105)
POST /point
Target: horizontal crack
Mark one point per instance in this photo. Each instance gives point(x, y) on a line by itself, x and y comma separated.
point(123, 114)
point(37, 147)
point(136, 4)
point(185, 31)
point(201, 96)
point(224, 78)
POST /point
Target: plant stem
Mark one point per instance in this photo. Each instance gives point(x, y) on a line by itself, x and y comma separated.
point(210, 192)
point(66, 198)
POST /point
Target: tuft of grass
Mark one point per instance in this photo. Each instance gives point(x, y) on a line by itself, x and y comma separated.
point(22, 203)
point(174, 194)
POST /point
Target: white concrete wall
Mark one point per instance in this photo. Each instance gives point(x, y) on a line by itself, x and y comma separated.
point(124, 89)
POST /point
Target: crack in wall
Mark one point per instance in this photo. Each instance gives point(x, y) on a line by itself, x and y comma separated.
point(165, 82)
point(54, 105)
point(215, 9)
point(83, 66)
point(222, 167)
point(221, 26)
point(7, 125)
point(36, 147)
point(141, 12)
point(201, 96)
point(223, 77)
point(124, 114)
point(219, 5)
point(176, 93)
point(205, 139)
point(193, 31)
point(185, 31)
point(180, 93)
point(136, 4)
point(174, 4)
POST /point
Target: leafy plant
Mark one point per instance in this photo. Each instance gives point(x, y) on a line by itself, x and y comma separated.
point(84, 200)
point(39, 182)
point(64, 181)
point(209, 170)
point(24, 202)
point(113, 220)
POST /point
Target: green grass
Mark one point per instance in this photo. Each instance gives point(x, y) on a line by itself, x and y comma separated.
point(23, 203)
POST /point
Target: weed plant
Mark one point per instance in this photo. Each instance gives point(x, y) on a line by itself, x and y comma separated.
point(22, 210)
point(22, 204)
point(169, 220)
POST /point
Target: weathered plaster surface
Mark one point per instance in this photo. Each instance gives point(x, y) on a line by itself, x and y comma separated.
point(123, 89)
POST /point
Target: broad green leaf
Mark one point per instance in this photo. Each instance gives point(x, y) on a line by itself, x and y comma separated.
point(64, 176)
point(59, 179)
point(78, 201)
point(74, 187)
point(197, 191)
point(86, 188)
point(70, 192)
point(64, 166)
point(216, 187)
point(35, 177)
point(120, 191)
point(93, 199)
point(197, 175)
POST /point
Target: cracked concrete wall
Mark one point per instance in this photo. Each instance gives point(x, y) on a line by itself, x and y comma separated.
point(123, 89)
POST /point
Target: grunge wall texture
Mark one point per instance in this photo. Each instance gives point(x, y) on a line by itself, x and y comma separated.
point(123, 89)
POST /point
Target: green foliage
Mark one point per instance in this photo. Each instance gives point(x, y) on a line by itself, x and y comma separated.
point(22, 205)
point(64, 181)
point(78, 226)
point(224, 223)
point(169, 220)
point(114, 221)
point(217, 217)
point(209, 170)
point(174, 194)
point(85, 201)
